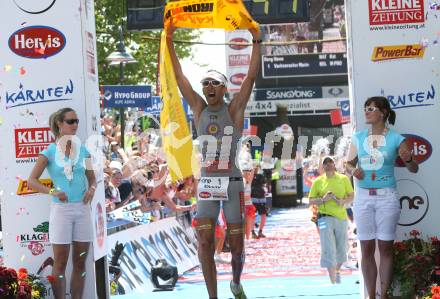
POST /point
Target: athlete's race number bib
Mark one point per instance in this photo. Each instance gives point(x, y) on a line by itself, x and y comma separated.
point(213, 188)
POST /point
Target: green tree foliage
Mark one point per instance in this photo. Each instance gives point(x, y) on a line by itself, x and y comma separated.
point(144, 46)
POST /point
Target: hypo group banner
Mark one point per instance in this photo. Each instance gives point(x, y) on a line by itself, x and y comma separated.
point(48, 62)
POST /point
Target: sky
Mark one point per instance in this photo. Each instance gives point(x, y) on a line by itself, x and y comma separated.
point(206, 57)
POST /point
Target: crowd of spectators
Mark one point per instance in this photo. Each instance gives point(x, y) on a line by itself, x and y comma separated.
point(138, 187)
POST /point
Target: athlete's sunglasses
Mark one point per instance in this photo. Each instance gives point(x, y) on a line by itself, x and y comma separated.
point(214, 83)
point(71, 121)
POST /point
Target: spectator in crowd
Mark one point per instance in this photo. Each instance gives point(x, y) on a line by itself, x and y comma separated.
point(331, 191)
point(108, 193)
point(258, 195)
point(114, 151)
point(371, 161)
point(115, 182)
point(248, 174)
point(220, 236)
point(316, 26)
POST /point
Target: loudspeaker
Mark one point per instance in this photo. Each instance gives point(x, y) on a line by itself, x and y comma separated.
point(165, 272)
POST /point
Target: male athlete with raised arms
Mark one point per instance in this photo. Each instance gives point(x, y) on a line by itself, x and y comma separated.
point(215, 119)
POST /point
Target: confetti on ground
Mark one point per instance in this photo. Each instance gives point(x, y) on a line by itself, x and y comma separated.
point(7, 68)
point(22, 258)
point(82, 253)
point(22, 71)
point(83, 274)
point(61, 276)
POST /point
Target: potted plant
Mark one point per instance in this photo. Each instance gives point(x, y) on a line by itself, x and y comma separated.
point(416, 262)
point(21, 284)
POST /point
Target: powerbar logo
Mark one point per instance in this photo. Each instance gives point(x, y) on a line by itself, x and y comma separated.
point(397, 52)
point(29, 142)
point(23, 186)
point(384, 12)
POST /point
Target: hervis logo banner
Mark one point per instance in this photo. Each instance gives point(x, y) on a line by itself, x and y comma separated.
point(223, 14)
point(176, 137)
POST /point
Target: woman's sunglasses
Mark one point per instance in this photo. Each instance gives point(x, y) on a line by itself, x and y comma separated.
point(214, 83)
point(71, 121)
point(370, 109)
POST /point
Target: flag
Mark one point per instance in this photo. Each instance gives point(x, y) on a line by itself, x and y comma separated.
point(228, 15)
point(176, 137)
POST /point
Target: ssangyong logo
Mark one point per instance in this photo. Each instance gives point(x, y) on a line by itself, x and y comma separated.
point(27, 96)
point(34, 7)
point(420, 147)
point(29, 142)
point(385, 12)
point(37, 42)
point(237, 79)
point(238, 43)
point(381, 53)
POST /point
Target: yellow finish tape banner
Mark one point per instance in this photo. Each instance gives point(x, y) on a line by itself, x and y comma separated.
point(223, 14)
point(176, 137)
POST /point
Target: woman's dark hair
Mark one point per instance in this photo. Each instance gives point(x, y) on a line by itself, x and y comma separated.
point(58, 116)
point(384, 106)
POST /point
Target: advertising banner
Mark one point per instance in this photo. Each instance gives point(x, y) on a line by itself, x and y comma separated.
point(298, 92)
point(48, 62)
point(124, 96)
point(153, 106)
point(286, 184)
point(94, 142)
point(144, 244)
point(238, 55)
point(308, 105)
point(394, 52)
